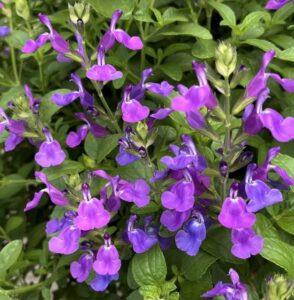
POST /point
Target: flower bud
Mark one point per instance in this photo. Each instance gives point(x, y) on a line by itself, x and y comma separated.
point(22, 9)
point(279, 287)
point(226, 59)
point(223, 168)
point(79, 14)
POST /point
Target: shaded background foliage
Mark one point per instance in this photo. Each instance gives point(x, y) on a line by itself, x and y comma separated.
point(174, 33)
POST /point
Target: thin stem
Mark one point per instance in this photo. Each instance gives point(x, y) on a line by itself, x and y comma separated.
point(227, 109)
point(42, 79)
point(143, 57)
point(4, 235)
point(24, 289)
point(13, 57)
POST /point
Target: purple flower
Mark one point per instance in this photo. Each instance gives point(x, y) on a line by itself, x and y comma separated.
point(50, 152)
point(56, 196)
point(132, 110)
point(34, 104)
point(234, 212)
point(190, 238)
point(75, 138)
point(258, 192)
point(275, 4)
point(234, 291)
point(91, 212)
point(246, 243)
point(86, 99)
point(4, 31)
point(141, 239)
point(101, 282)
point(107, 260)
point(119, 35)
point(173, 220)
point(59, 44)
point(101, 71)
point(80, 270)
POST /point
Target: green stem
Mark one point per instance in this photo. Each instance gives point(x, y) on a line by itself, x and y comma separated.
point(13, 57)
point(227, 109)
point(42, 79)
point(24, 289)
point(143, 57)
point(5, 235)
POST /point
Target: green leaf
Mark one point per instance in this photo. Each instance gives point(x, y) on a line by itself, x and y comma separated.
point(17, 38)
point(204, 49)
point(279, 253)
point(225, 11)
point(173, 70)
point(11, 185)
point(11, 94)
point(99, 148)
point(4, 297)
point(127, 6)
point(287, 54)
point(173, 14)
point(285, 220)
point(150, 291)
point(261, 44)
point(264, 227)
point(131, 172)
point(189, 29)
point(149, 268)
point(283, 13)
point(135, 296)
point(9, 254)
point(152, 207)
point(194, 267)
point(285, 162)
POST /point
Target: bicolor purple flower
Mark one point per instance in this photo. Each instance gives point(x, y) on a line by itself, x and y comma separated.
point(190, 238)
point(59, 44)
point(101, 282)
point(275, 4)
point(234, 212)
point(4, 31)
point(234, 291)
point(119, 35)
point(80, 270)
point(34, 103)
point(173, 220)
point(260, 195)
point(107, 260)
point(132, 110)
point(57, 197)
point(255, 118)
point(103, 72)
point(246, 243)
point(50, 153)
point(91, 212)
point(75, 138)
point(86, 99)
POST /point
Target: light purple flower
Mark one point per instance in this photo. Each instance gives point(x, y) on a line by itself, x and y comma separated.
point(59, 44)
point(56, 196)
point(75, 138)
point(258, 192)
point(91, 212)
point(101, 282)
point(119, 35)
point(246, 243)
point(174, 220)
point(34, 103)
point(234, 291)
point(101, 71)
point(275, 4)
point(234, 212)
point(50, 153)
point(4, 31)
point(86, 99)
point(190, 238)
point(80, 270)
point(107, 260)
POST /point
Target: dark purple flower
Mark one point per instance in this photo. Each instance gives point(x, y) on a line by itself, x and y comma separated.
point(234, 212)
point(246, 243)
point(4, 31)
point(50, 153)
point(86, 99)
point(59, 44)
point(101, 71)
point(119, 35)
point(190, 238)
point(80, 270)
point(101, 282)
point(91, 212)
point(173, 220)
point(75, 138)
point(260, 195)
point(234, 291)
point(275, 4)
point(56, 196)
point(107, 260)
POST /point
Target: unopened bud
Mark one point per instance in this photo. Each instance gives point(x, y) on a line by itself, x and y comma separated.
point(223, 168)
point(22, 9)
point(279, 287)
point(79, 13)
point(238, 76)
point(226, 59)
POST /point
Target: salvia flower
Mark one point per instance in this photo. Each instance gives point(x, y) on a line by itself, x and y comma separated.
point(246, 243)
point(103, 72)
point(119, 35)
point(75, 138)
point(275, 4)
point(91, 212)
point(34, 103)
point(57, 197)
point(107, 260)
point(85, 98)
point(260, 195)
point(80, 270)
point(50, 153)
point(59, 44)
point(4, 31)
point(190, 238)
point(234, 212)
point(101, 282)
point(173, 220)
point(234, 291)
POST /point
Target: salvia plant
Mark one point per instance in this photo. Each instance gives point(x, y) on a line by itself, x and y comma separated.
point(147, 149)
